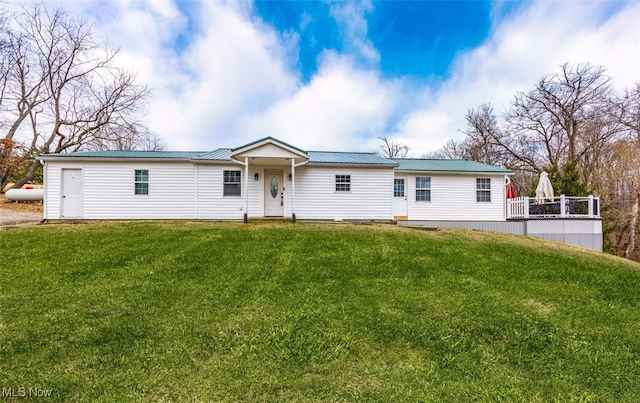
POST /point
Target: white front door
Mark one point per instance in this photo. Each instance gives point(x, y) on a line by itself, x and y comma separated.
point(273, 194)
point(72, 193)
point(400, 198)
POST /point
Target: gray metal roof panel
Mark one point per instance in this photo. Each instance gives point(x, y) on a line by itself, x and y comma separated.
point(221, 154)
point(128, 154)
point(435, 165)
point(334, 157)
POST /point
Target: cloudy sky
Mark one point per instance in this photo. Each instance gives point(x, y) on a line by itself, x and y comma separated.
point(338, 75)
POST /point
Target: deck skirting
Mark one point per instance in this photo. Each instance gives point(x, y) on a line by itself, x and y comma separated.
point(586, 233)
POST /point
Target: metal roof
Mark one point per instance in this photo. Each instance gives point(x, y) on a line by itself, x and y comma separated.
point(334, 157)
point(315, 157)
point(434, 165)
point(128, 154)
point(221, 154)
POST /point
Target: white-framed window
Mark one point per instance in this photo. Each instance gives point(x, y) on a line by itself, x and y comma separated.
point(343, 183)
point(141, 182)
point(423, 188)
point(232, 183)
point(398, 187)
point(483, 190)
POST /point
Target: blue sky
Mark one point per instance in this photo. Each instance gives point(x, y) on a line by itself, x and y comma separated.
point(414, 38)
point(338, 75)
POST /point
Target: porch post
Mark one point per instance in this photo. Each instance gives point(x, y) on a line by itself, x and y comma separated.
point(563, 207)
point(293, 189)
point(246, 189)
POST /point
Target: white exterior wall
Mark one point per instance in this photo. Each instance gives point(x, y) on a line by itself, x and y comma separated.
point(53, 186)
point(268, 151)
point(371, 195)
point(213, 205)
point(182, 190)
point(108, 190)
point(453, 197)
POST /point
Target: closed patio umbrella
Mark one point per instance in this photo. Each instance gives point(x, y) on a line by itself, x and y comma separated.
point(544, 190)
point(510, 190)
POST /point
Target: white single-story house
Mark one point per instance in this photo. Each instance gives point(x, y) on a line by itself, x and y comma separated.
point(269, 178)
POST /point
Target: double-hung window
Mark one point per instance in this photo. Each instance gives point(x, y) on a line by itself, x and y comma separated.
point(483, 189)
point(232, 183)
point(343, 183)
point(141, 182)
point(423, 188)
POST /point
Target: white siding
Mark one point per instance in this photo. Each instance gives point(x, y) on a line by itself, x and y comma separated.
point(213, 205)
point(268, 150)
point(453, 197)
point(182, 190)
point(52, 189)
point(108, 190)
point(371, 195)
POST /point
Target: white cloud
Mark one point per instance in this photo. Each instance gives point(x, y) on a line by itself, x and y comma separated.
point(519, 52)
point(350, 17)
point(234, 78)
point(339, 108)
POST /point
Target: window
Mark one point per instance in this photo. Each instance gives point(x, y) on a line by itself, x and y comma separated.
point(483, 189)
point(398, 188)
point(343, 183)
point(141, 182)
point(232, 183)
point(423, 188)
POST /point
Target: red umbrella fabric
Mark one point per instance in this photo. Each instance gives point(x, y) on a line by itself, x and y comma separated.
point(511, 191)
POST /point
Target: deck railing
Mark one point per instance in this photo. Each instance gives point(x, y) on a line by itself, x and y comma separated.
point(558, 207)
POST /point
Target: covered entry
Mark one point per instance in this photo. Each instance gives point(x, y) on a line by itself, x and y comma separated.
point(276, 159)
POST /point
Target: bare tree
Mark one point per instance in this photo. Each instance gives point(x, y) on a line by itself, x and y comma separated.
point(620, 189)
point(628, 109)
point(392, 148)
point(620, 174)
point(565, 116)
point(487, 142)
point(452, 150)
point(63, 92)
point(133, 139)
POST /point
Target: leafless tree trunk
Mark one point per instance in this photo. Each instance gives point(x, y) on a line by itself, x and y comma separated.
point(633, 228)
point(62, 91)
point(391, 148)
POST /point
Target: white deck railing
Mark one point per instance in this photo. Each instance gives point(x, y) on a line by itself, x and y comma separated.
point(558, 207)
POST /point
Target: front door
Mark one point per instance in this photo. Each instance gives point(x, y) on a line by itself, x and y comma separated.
point(400, 198)
point(274, 194)
point(72, 193)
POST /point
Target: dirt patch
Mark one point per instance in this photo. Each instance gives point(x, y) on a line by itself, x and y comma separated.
point(19, 212)
point(10, 217)
point(538, 307)
point(23, 207)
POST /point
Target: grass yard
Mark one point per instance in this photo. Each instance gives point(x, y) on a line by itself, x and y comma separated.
point(184, 311)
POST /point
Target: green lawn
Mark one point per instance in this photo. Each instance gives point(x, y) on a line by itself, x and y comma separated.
point(231, 312)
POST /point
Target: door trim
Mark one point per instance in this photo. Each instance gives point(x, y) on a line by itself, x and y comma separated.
point(265, 189)
point(406, 199)
point(62, 195)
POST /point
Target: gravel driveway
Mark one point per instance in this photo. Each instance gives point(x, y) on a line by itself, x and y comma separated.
point(10, 217)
